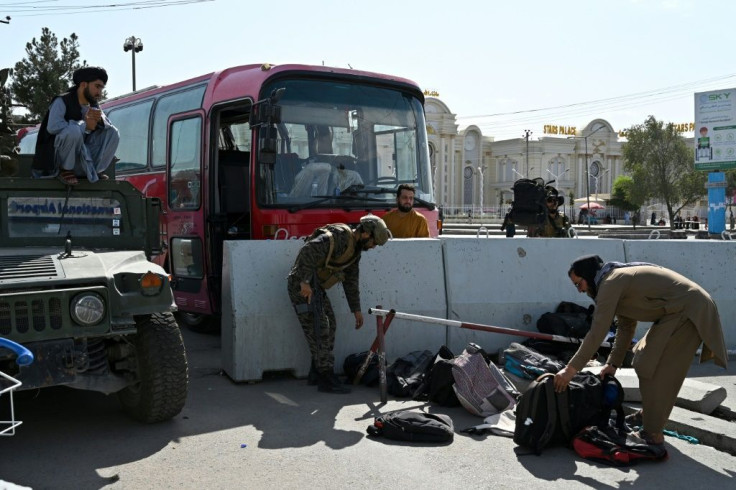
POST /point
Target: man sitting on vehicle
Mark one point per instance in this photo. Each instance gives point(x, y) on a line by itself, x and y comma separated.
point(76, 139)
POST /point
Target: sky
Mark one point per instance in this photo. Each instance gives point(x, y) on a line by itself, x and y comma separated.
point(506, 67)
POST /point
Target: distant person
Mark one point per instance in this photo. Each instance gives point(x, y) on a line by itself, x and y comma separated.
point(678, 222)
point(508, 225)
point(330, 255)
point(555, 224)
point(76, 139)
point(405, 221)
point(654, 219)
point(684, 316)
point(583, 216)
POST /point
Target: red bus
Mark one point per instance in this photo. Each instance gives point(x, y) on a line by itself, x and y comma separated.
point(260, 152)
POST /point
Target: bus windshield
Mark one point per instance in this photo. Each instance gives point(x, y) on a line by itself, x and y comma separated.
point(344, 142)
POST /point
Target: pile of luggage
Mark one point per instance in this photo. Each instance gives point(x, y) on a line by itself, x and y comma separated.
point(514, 393)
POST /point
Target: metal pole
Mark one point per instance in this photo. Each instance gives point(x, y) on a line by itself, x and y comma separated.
point(477, 326)
point(587, 180)
point(133, 51)
point(527, 133)
point(480, 171)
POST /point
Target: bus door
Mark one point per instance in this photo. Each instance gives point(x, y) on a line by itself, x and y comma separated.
point(185, 214)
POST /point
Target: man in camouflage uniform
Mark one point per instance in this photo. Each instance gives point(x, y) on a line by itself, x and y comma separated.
point(330, 255)
point(556, 224)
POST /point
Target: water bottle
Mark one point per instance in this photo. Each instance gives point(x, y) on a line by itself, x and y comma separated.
point(337, 191)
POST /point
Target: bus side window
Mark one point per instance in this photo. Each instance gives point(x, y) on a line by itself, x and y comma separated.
point(185, 178)
point(132, 150)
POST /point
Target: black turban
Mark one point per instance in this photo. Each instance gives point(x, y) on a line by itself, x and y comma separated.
point(89, 74)
point(587, 267)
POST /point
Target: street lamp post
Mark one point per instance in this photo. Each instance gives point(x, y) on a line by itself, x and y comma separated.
point(480, 172)
point(134, 45)
point(527, 133)
point(557, 176)
point(556, 181)
point(596, 182)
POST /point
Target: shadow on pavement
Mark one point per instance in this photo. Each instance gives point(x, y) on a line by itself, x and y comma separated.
point(67, 435)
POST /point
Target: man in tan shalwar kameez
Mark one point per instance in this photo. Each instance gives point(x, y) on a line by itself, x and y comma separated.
point(683, 315)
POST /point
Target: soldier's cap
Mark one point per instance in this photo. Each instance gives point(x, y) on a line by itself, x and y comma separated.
point(89, 74)
point(376, 227)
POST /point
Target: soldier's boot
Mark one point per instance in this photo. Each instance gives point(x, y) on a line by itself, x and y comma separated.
point(313, 376)
point(330, 383)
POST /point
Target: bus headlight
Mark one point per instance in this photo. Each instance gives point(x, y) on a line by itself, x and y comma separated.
point(87, 309)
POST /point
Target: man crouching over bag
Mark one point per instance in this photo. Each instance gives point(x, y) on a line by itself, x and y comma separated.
point(683, 315)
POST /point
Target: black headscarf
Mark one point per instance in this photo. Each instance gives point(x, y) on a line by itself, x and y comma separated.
point(587, 267)
point(89, 74)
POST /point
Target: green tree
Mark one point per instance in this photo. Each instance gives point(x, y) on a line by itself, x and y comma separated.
point(662, 166)
point(45, 72)
point(625, 195)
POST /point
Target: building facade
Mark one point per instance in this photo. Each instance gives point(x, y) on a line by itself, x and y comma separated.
point(474, 173)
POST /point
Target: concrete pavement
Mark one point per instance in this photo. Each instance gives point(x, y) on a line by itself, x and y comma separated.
point(281, 433)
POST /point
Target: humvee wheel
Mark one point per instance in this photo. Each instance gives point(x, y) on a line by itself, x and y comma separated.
point(160, 364)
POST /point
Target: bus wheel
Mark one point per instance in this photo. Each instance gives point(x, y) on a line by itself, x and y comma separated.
point(196, 322)
point(159, 365)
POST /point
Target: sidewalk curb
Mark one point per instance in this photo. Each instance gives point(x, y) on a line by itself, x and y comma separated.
point(708, 430)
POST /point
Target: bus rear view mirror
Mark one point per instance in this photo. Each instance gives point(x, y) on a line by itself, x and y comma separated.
point(268, 145)
point(267, 111)
point(264, 112)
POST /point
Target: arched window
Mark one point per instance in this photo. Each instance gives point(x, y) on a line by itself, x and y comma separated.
point(594, 177)
point(507, 169)
point(468, 185)
point(556, 169)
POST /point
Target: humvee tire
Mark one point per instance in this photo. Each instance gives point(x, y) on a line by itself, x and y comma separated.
point(160, 365)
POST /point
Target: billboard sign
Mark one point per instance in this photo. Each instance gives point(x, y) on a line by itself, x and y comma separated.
point(715, 130)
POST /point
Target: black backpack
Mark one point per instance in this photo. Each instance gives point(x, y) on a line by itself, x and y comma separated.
point(528, 207)
point(354, 362)
point(525, 362)
point(544, 417)
point(406, 374)
point(437, 386)
point(568, 319)
point(406, 425)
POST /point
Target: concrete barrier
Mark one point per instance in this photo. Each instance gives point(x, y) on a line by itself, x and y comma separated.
point(712, 264)
point(260, 331)
point(501, 282)
point(511, 283)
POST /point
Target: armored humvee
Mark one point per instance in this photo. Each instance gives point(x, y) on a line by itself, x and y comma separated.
point(78, 290)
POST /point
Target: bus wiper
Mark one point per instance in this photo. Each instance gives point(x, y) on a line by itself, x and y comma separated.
point(339, 197)
point(360, 188)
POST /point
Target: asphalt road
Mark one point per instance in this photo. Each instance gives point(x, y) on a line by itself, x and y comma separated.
point(280, 433)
